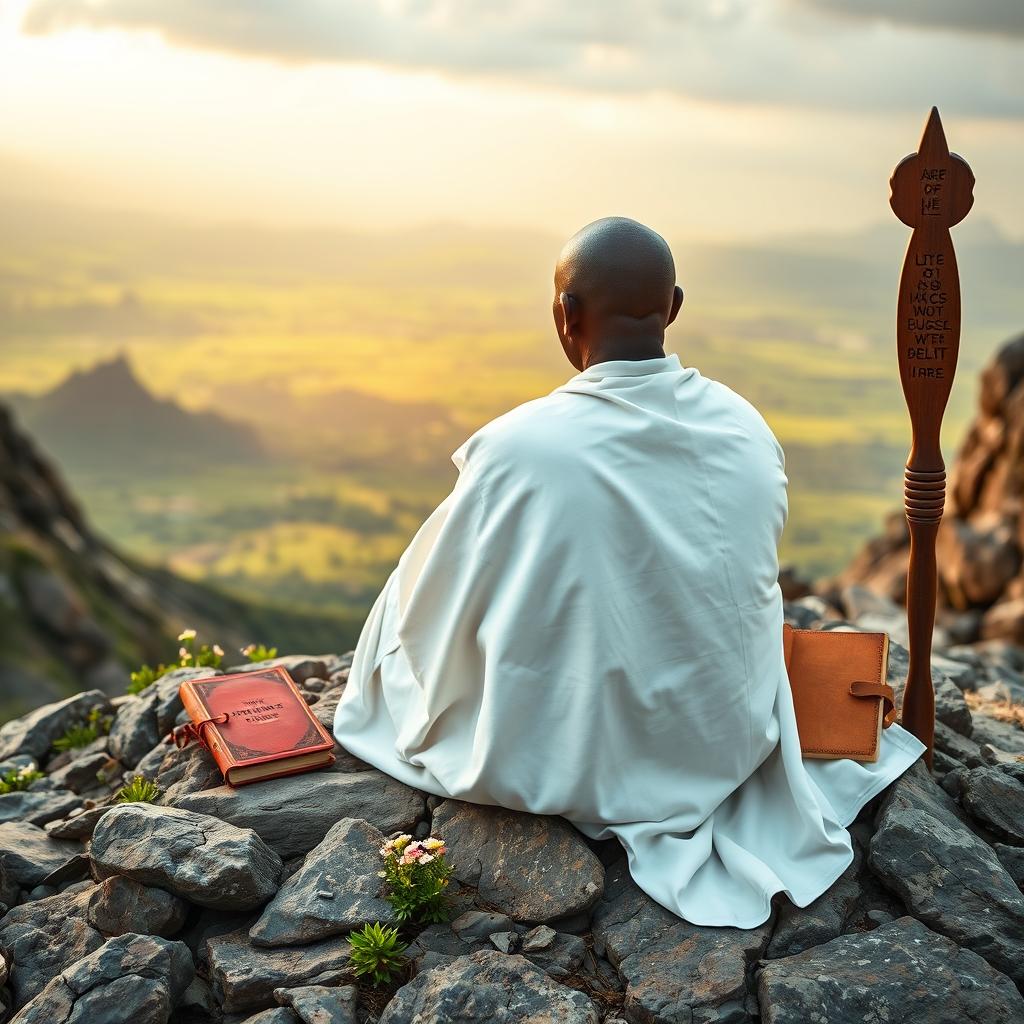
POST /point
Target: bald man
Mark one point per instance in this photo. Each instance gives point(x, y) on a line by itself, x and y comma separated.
point(590, 624)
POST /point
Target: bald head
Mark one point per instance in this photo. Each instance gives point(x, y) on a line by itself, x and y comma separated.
point(615, 292)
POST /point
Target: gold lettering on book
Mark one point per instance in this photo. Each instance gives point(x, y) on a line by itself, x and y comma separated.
point(257, 710)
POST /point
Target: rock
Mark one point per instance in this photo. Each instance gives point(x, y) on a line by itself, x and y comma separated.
point(996, 799)
point(1004, 621)
point(36, 808)
point(134, 732)
point(534, 868)
point(199, 858)
point(1012, 858)
point(476, 925)
point(950, 706)
point(505, 942)
point(244, 977)
point(1004, 735)
point(901, 971)
point(28, 854)
point(961, 673)
point(800, 928)
point(489, 987)
point(345, 866)
point(275, 1015)
point(294, 813)
point(440, 944)
point(45, 937)
point(80, 774)
point(34, 733)
point(319, 1004)
point(959, 748)
point(674, 971)
point(131, 979)
point(537, 939)
point(78, 826)
point(300, 667)
point(119, 905)
point(189, 770)
point(949, 878)
point(75, 870)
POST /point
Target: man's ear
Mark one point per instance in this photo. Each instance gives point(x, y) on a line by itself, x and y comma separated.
point(677, 301)
point(570, 321)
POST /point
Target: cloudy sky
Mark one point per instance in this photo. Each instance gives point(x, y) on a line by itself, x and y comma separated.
point(717, 118)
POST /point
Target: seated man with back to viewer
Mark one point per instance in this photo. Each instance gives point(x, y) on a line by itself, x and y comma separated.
point(590, 624)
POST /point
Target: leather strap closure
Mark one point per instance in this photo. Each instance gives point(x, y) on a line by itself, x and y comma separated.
point(181, 736)
point(868, 688)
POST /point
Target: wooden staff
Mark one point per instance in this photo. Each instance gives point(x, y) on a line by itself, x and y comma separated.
point(931, 191)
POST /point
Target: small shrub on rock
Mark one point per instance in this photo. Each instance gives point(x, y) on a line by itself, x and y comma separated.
point(145, 677)
point(377, 953)
point(18, 779)
point(81, 735)
point(138, 791)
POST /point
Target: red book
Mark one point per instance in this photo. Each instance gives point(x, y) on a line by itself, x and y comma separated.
point(256, 725)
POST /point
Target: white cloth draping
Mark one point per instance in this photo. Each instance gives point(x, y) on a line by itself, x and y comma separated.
point(590, 625)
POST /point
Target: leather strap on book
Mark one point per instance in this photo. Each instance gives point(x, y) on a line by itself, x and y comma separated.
point(181, 736)
point(867, 688)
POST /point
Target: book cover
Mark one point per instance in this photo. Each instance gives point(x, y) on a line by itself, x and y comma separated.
point(256, 725)
point(839, 691)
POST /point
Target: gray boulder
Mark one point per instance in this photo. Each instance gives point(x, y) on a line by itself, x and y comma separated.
point(995, 798)
point(119, 905)
point(320, 1004)
point(194, 856)
point(946, 875)
point(79, 824)
point(800, 928)
point(535, 868)
point(674, 971)
point(294, 813)
point(244, 977)
point(34, 733)
point(901, 971)
point(133, 733)
point(44, 937)
point(37, 807)
point(131, 979)
point(336, 889)
point(28, 854)
point(490, 988)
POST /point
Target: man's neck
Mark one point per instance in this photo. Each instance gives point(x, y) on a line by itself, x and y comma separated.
point(631, 348)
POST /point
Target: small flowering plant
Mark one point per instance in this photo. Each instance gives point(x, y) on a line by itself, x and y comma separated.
point(416, 877)
point(206, 656)
point(258, 652)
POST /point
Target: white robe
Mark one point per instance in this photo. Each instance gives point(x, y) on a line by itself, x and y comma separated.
point(590, 625)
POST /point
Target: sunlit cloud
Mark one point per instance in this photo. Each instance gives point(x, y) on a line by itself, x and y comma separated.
point(879, 54)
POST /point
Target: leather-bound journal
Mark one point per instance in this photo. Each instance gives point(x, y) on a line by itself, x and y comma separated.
point(255, 724)
point(840, 695)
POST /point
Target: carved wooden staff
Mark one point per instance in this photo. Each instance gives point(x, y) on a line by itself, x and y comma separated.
point(931, 191)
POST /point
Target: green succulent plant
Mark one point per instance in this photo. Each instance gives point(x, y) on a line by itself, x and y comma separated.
point(377, 953)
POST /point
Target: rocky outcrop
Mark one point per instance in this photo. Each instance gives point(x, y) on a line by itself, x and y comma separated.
point(215, 905)
point(980, 545)
point(78, 614)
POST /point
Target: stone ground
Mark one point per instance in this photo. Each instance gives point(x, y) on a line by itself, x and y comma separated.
point(222, 905)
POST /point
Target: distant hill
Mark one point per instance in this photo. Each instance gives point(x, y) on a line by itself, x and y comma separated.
point(77, 613)
point(103, 418)
point(343, 427)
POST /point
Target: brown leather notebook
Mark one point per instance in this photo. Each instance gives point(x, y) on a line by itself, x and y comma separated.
point(840, 695)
